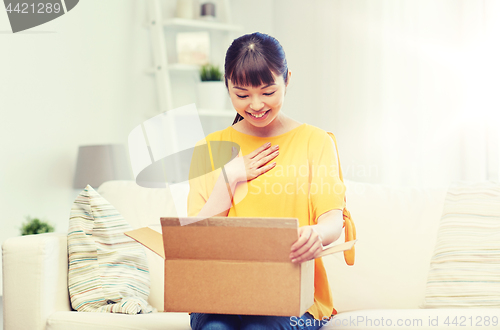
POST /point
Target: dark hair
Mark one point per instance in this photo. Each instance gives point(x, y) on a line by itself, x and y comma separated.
point(252, 59)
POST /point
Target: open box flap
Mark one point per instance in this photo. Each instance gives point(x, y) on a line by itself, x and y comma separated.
point(337, 248)
point(150, 238)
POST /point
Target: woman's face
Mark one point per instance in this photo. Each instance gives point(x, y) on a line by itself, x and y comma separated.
point(258, 105)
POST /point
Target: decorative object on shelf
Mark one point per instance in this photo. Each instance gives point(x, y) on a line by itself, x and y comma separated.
point(207, 11)
point(212, 93)
point(34, 226)
point(193, 47)
point(210, 72)
point(99, 163)
point(184, 9)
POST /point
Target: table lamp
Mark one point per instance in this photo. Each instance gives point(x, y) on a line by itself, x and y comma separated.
point(99, 163)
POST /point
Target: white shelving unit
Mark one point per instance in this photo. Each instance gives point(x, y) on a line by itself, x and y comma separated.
point(162, 69)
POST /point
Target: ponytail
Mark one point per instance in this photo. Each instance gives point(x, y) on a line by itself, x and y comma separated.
point(237, 118)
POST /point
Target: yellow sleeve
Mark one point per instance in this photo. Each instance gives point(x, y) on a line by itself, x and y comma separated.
point(199, 175)
point(327, 190)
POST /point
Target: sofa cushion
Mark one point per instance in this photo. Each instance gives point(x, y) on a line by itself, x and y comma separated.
point(108, 271)
point(421, 319)
point(464, 270)
point(102, 321)
point(142, 206)
point(399, 319)
point(396, 230)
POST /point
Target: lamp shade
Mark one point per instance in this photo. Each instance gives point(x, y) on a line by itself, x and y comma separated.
point(99, 163)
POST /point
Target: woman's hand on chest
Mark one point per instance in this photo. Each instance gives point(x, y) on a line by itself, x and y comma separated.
point(256, 163)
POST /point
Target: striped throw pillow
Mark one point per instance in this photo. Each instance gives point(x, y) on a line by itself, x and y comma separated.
point(108, 271)
point(465, 268)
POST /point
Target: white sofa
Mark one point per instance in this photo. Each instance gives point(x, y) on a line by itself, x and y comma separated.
point(396, 229)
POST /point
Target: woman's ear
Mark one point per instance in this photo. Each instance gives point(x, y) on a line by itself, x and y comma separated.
point(288, 76)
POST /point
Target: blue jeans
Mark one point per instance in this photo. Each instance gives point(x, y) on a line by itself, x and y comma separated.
point(253, 322)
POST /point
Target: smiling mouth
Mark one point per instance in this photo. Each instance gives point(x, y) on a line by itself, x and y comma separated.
point(260, 115)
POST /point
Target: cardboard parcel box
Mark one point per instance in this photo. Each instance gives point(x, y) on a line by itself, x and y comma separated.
point(232, 265)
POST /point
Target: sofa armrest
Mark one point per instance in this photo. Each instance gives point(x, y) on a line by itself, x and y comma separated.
point(35, 280)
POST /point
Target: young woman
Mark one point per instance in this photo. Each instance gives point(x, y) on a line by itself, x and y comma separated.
point(290, 170)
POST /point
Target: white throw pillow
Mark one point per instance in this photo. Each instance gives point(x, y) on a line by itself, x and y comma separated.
point(108, 271)
point(465, 268)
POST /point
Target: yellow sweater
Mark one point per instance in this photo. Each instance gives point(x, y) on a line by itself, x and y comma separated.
point(304, 184)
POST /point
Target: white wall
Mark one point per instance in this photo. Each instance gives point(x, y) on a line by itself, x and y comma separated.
point(408, 87)
point(76, 80)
